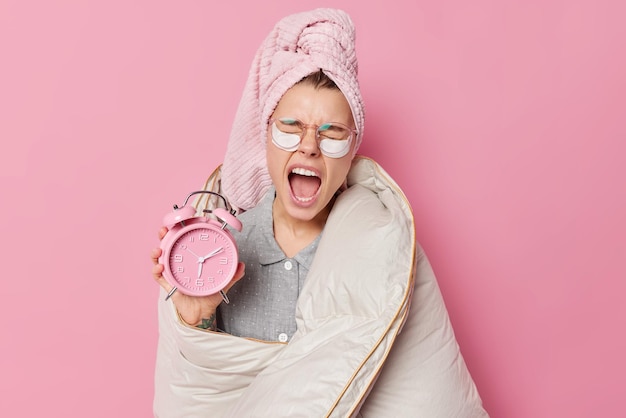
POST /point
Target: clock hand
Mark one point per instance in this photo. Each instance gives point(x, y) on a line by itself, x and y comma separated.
point(199, 258)
point(199, 268)
point(211, 254)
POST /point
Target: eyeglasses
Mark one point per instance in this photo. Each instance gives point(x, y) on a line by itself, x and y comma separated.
point(333, 138)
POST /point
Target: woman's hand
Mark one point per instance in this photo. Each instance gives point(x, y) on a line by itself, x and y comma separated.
point(194, 310)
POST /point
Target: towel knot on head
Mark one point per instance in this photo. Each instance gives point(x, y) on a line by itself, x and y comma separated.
point(298, 45)
point(322, 40)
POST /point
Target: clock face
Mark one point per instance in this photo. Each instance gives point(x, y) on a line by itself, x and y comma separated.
point(202, 261)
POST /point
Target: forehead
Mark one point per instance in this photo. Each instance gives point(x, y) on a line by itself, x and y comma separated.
point(314, 105)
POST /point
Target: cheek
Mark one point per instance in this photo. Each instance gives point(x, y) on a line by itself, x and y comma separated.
point(338, 171)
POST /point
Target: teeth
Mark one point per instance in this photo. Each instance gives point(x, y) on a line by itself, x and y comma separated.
point(304, 199)
point(303, 172)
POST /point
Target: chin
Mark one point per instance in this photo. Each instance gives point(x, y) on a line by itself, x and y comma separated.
point(306, 211)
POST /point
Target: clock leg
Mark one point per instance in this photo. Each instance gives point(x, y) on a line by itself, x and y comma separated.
point(224, 297)
point(169, 295)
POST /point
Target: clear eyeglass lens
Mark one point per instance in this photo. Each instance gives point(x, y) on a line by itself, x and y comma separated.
point(289, 126)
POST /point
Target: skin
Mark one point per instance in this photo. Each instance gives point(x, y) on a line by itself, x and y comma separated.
point(296, 224)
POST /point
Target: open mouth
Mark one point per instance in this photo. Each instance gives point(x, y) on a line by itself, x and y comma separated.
point(304, 183)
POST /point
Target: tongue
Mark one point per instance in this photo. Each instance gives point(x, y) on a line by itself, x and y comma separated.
point(304, 186)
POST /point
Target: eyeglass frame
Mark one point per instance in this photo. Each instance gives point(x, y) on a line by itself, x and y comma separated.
point(306, 126)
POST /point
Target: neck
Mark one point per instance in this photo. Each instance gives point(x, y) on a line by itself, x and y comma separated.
point(291, 234)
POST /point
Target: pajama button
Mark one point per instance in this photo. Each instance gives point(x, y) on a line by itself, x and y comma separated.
point(288, 266)
point(283, 337)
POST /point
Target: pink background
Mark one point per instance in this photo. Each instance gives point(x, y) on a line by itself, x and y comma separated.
point(503, 121)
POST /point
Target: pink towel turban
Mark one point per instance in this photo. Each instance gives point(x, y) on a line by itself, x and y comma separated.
point(298, 45)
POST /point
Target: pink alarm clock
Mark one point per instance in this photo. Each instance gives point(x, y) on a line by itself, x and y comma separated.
point(199, 254)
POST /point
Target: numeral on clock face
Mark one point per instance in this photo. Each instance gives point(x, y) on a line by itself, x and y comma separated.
point(200, 261)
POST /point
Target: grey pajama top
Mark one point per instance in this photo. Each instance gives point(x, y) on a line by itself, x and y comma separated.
point(263, 303)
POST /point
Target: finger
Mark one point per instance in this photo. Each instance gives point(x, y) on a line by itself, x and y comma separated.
point(162, 232)
point(239, 273)
point(157, 273)
point(155, 253)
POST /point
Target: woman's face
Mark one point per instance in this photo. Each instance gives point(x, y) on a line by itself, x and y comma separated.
point(305, 179)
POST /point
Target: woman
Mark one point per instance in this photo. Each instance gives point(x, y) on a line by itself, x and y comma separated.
point(330, 261)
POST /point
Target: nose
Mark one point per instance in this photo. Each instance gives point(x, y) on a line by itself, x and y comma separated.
point(308, 144)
